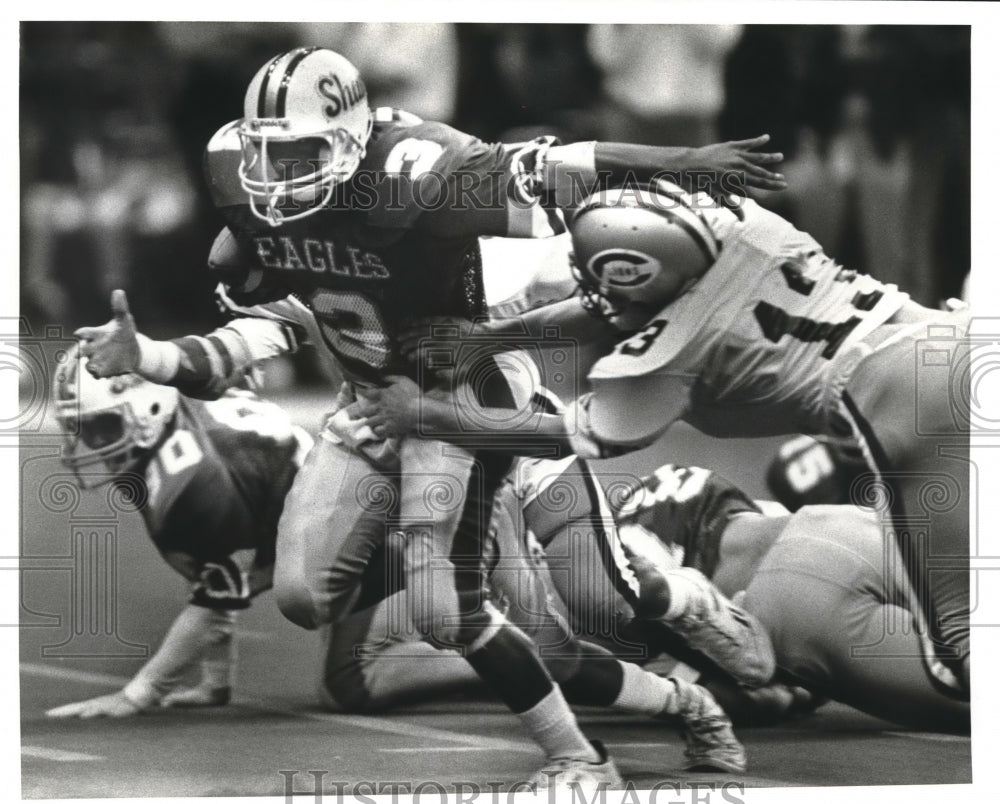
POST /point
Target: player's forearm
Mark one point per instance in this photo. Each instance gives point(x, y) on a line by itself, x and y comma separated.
point(500, 429)
point(196, 633)
point(203, 367)
point(573, 171)
point(563, 319)
point(594, 425)
point(623, 160)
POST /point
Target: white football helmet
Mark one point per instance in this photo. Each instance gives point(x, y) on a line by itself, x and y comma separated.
point(305, 126)
point(111, 422)
point(639, 248)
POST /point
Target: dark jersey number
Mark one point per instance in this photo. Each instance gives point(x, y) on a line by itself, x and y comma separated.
point(775, 322)
point(638, 345)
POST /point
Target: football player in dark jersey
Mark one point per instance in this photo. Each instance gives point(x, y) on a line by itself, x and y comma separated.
point(816, 471)
point(340, 222)
point(214, 477)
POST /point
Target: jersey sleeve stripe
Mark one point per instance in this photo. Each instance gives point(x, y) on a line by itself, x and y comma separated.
point(215, 362)
point(223, 353)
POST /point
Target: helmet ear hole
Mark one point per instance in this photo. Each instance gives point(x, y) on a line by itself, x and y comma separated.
point(155, 408)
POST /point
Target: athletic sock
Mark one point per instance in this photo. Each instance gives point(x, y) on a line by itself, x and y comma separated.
point(508, 662)
point(553, 725)
point(644, 692)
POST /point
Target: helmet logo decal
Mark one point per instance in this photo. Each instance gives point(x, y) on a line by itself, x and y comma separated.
point(623, 268)
point(342, 97)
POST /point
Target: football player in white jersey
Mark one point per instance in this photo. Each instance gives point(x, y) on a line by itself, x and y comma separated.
point(728, 317)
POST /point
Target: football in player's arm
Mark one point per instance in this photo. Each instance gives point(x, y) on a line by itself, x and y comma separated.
point(215, 475)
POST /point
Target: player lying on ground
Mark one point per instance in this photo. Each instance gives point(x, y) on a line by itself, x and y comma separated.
point(215, 474)
point(731, 319)
point(213, 477)
point(340, 221)
point(828, 586)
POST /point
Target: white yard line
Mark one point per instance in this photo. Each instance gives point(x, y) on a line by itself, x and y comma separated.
point(70, 674)
point(454, 749)
point(929, 736)
point(401, 728)
point(55, 755)
point(380, 724)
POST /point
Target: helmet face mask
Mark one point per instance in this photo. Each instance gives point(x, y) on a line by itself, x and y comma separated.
point(636, 250)
point(305, 128)
point(112, 425)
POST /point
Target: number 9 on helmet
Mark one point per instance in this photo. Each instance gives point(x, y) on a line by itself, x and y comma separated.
point(636, 249)
point(110, 425)
point(306, 124)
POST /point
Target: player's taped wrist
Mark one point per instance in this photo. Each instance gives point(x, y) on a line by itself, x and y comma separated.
point(158, 360)
point(569, 172)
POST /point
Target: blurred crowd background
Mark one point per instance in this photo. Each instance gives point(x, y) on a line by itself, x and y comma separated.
point(873, 122)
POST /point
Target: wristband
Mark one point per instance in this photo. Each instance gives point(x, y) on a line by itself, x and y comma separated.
point(158, 360)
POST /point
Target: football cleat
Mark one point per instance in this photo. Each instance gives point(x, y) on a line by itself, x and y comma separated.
point(725, 633)
point(578, 775)
point(711, 742)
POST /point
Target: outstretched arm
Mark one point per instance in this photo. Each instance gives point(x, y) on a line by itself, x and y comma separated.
point(198, 634)
point(200, 367)
point(572, 171)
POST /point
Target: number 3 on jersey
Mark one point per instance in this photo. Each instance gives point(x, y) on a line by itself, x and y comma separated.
point(353, 327)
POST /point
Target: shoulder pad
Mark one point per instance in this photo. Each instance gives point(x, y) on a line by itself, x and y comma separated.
point(387, 114)
point(407, 162)
point(222, 162)
point(412, 149)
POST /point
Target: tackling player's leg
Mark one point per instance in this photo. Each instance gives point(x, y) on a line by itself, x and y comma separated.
point(832, 594)
point(902, 402)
